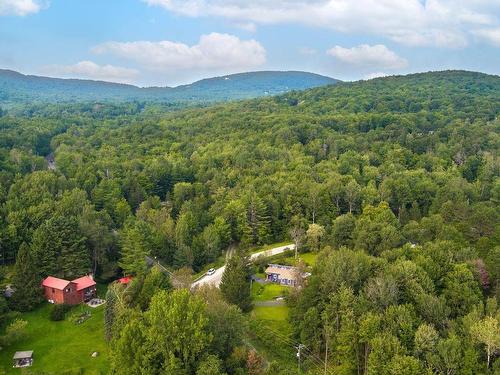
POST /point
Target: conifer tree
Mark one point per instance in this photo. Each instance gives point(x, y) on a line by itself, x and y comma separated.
point(235, 286)
point(110, 313)
point(25, 281)
point(134, 251)
point(58, 248)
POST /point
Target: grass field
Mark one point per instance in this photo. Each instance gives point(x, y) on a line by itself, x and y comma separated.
point(270, 334)
point(308, 258)
point(271, 313)
point(268, 291)
point(61, 347)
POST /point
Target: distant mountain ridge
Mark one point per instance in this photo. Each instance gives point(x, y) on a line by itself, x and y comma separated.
point(16, 87)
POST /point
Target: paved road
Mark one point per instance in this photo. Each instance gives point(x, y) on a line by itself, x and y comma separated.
point(217, 276)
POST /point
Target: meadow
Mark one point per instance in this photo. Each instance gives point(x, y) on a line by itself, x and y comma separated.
point(62, 348)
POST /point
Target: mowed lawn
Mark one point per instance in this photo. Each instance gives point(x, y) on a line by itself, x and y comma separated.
point(308, 258)
point(273, 319)
point(271, 314)
point(268, 291)
point(271, 334)
point(61, 347)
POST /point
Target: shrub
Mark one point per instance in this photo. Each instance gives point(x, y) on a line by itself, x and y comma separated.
point(58, 312)
point(15, 331)
point(80, 316)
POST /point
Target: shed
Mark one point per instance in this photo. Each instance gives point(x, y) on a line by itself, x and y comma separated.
point(125, 280)
point(23, 359)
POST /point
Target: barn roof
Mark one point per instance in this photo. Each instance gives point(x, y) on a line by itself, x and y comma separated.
point(84, 282)
point(54, 282)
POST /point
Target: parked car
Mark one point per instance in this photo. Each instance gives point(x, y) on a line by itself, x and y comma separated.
point(211, 271)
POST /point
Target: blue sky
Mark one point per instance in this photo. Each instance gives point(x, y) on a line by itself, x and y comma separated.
point(170, 42)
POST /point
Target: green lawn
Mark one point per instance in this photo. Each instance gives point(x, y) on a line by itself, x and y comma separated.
point(272, 319)
point(308, 258)
point(268, 291)
point(270, 334)
point(61, 347)
point(271, 313)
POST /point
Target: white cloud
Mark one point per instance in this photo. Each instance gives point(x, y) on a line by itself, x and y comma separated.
point(444, 23)
point(492, 36)
point(247, 26)
point(19, 7)
point(377, 56)
point(91, 70)
point(374, 75)
point(307, 51)
point(213, 52)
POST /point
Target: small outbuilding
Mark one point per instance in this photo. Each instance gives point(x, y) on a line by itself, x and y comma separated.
point(23, 359)
point(125, 280)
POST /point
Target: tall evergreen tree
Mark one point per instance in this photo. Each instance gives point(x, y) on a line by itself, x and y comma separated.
point(154, 281)
point(25, 281)
point(257, 229)
point(59, 249)
point(134, 250)
point(235, 286)
point(110, 312)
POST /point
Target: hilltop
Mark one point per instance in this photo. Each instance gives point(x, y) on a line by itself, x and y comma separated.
point(18, 88)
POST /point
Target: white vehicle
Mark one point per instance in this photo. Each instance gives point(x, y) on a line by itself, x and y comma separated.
point(211, 271)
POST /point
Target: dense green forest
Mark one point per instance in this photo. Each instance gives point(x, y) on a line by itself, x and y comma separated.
point(393, 181)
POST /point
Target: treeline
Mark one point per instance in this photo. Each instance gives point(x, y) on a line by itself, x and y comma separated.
point(153, 329)
point(414, 309)
point(375, 164)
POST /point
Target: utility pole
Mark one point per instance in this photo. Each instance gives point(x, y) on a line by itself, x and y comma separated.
point(327, 333)
point(299, 350)
point(326, 355)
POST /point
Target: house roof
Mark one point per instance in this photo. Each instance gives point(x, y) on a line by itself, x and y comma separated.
point(284, 272)
point(84, 282)
point(23, 355)
point(54, 282)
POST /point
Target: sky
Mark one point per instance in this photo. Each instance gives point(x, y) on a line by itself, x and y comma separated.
point(172, 42)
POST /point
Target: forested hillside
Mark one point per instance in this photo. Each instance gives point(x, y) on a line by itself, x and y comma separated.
point(17, 89)
point(393, 181)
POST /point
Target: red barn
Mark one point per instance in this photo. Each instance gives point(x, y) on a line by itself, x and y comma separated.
point(69, 292)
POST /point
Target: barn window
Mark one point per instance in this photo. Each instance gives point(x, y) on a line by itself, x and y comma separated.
point(53, 290)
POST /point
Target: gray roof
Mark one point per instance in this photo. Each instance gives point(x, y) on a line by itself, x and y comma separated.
point(284, 272)
point(22, 355)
